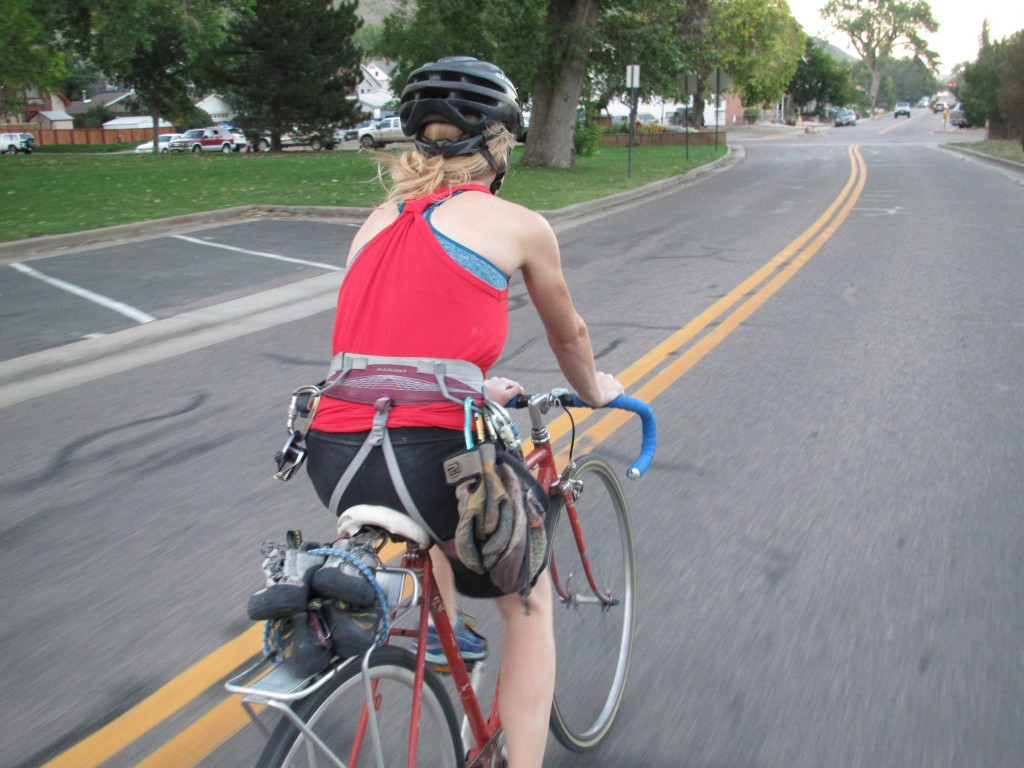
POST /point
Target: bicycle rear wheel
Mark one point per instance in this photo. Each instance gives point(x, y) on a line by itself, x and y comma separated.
point(593, 635)
point(333, 714)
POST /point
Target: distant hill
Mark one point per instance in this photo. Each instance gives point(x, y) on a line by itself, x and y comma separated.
point(374, 11)
point(838, 54)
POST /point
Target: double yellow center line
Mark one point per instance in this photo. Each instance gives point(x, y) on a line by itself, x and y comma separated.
point(681, 351)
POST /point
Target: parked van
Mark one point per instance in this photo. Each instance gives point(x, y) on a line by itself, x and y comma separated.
point(12, 143)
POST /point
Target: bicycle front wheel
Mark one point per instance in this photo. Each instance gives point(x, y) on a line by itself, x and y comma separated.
point(594, 573)
point(335, 714)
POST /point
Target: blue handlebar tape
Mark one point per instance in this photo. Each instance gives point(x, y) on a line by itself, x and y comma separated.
point(648, 427)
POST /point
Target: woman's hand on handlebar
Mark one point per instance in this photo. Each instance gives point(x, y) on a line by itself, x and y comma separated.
point(501, 390)
point(608, 388)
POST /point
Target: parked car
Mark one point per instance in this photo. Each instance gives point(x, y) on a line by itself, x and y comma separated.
point(922, 103)
point(12, 143)
point(845, 117)
point(314, 141)
point(957, 116)
point(386, 131)
point(203, 140)
point(165, 140)
point(902, 108)
point(939, 106)
point(351, 134)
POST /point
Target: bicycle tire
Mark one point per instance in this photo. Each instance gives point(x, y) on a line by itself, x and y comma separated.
point(333, 713)
point(593, 642)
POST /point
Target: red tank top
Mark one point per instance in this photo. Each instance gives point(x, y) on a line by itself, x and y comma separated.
point(404, 296)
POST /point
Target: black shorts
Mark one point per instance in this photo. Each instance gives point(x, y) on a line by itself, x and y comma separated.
point(420, 452)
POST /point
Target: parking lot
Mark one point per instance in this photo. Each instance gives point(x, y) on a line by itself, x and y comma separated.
point(86, 293)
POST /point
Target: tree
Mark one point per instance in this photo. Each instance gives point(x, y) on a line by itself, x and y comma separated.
point(29, 57)
point(500, 31)
point(158, 48)
point(877, 27)
point(290, 64)
point(759, 44)
point(979, 84)
point(569, 29)
point(911, 79)
point(1011, 91)
point(819, 79)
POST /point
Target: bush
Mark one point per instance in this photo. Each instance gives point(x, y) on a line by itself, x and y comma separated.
point(587, 138)
point(66, 149)
point(751, 115)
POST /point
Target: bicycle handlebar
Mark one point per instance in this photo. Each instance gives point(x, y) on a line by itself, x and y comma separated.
point(648, 426)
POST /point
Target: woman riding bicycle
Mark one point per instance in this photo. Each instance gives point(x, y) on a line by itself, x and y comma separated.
point(427, 277)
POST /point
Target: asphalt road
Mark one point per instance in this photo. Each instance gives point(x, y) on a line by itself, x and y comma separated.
point(830, 541)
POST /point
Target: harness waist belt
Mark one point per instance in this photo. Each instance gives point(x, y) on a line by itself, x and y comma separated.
point(403, 380)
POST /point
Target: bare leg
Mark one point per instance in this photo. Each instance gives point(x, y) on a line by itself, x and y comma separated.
point(527, 674)
point(445, 579)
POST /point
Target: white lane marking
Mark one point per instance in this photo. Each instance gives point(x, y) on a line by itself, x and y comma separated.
point(289, 259)
point(130, 312)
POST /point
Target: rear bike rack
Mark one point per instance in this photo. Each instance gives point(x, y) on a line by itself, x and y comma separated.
point(272, 684)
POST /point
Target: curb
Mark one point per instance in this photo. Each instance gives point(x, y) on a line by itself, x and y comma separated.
point(982, 157)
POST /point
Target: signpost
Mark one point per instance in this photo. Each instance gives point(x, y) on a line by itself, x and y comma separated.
point(688, 82)
point(717, 82)
point(633, 84)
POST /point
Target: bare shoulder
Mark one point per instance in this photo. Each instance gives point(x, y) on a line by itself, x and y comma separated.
point(378, 220)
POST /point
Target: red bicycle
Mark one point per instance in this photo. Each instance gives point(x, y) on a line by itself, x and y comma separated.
point(390, 708)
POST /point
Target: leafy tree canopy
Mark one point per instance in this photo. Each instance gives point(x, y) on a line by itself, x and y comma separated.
point(760, 44)
point(292, 65)
point(28, 54)
point(1011, 91)
point(819, 78)
point(877, 27)
point(979, 83)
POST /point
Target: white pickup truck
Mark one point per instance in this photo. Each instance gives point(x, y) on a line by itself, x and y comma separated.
point(386, 131)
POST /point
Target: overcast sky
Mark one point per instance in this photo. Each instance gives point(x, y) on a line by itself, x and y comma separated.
point(959, 26)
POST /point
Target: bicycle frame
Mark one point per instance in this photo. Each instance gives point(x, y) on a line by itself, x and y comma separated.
point(279, 690)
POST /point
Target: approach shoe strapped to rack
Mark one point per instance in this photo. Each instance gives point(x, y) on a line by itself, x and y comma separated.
point(289, 570)
point(353, 630)
point(472, 645)
point(342, 578)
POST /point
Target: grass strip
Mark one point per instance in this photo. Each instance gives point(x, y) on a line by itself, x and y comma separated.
point(48, 194)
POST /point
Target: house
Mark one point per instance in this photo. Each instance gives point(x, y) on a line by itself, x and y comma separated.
point(53, 119)
point(374, 89)
point(32, 102)
point(218, 109)
point(129, 122)
point(115, 101)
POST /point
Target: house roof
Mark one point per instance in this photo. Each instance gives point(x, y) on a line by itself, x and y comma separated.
point(55, 114)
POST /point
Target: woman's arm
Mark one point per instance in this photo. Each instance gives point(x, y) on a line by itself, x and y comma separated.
point(567, 334)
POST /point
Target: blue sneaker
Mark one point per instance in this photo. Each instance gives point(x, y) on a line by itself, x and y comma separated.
point(472, 645)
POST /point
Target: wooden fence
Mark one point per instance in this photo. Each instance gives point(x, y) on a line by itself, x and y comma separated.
point(78, 136)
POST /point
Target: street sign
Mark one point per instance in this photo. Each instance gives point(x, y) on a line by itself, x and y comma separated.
point(718, 80)
point(688, 83)
point(632, 75)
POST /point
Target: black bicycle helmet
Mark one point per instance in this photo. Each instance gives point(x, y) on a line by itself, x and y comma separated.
point(464, 92)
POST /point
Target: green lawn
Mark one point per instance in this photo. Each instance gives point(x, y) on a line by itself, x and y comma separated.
point(1006, 150)
point(46, 194)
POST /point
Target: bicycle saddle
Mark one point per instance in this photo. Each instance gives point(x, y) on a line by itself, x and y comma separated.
point(398, 524)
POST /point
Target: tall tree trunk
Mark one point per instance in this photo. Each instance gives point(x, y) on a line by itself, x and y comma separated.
point(876, 81)
point(156, 132)
point(556, 94)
